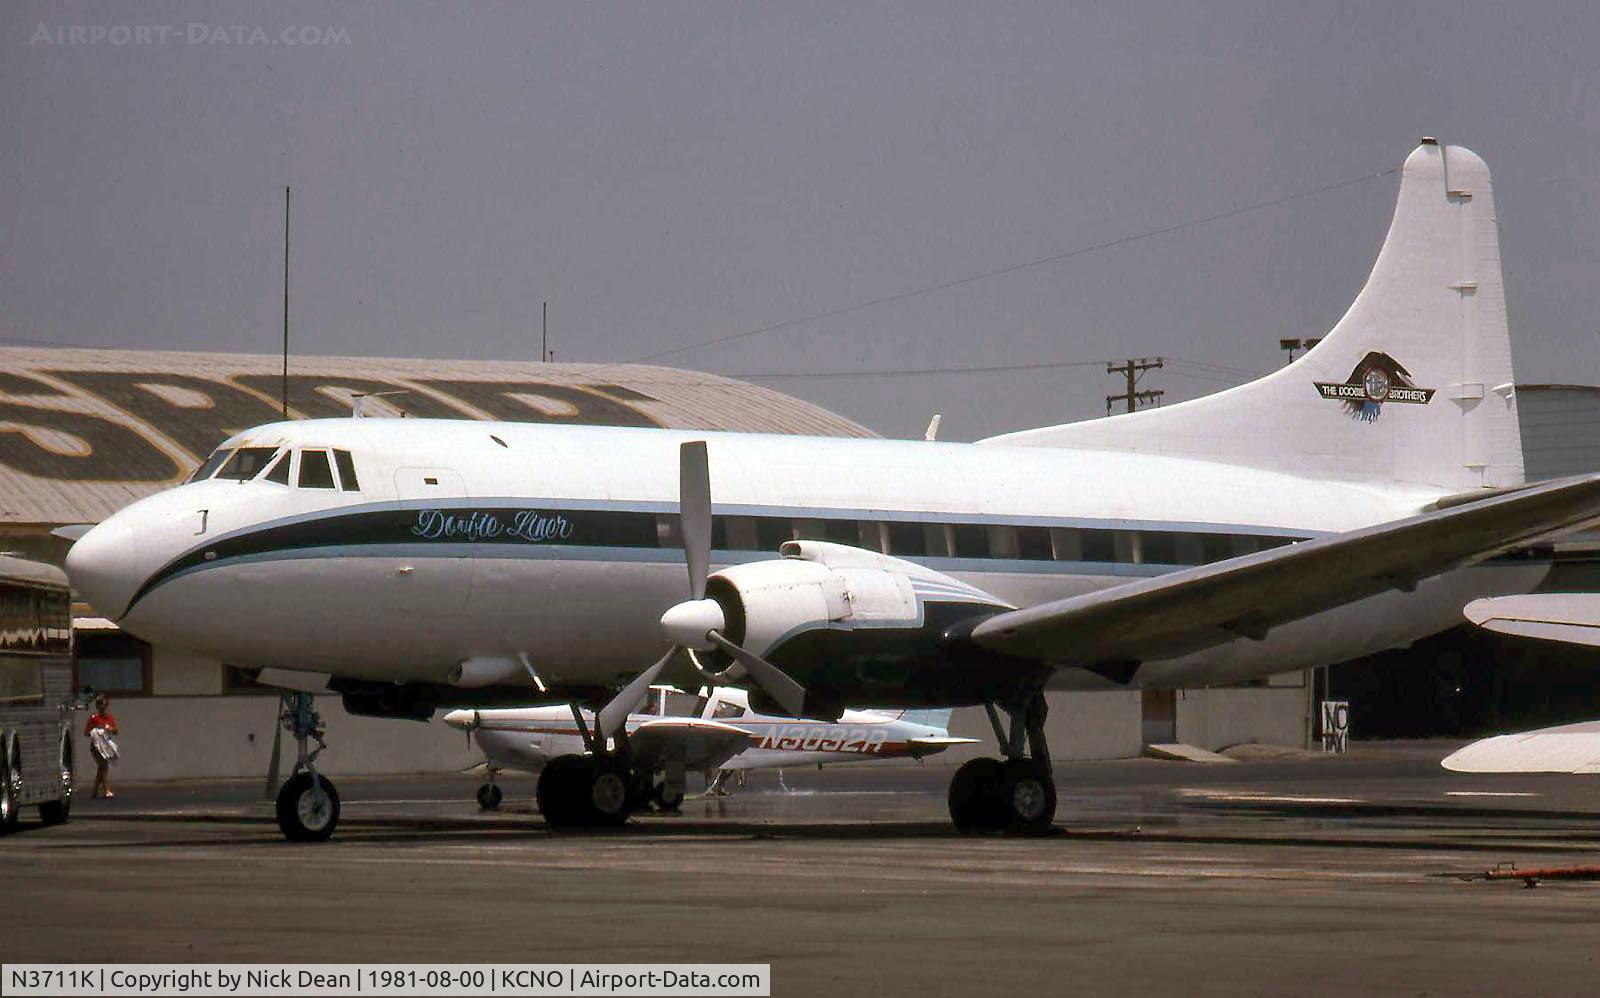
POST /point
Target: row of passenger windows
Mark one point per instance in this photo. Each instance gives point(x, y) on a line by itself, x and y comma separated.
point(940, 540)
point(315, 468)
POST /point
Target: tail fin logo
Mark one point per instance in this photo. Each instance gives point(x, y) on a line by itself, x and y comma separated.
point(1379, 378)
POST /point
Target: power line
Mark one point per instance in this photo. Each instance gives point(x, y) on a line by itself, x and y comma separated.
point(1013, 268)
point(1192, 369)
point(916, 372)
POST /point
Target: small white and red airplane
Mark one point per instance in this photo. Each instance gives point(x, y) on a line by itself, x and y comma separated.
point(715, 730)
point(1349, 502)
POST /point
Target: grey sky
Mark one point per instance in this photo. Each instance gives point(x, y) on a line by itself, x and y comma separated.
point(666, 173)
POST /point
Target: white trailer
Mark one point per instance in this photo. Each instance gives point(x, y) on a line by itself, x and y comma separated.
point(36, 695)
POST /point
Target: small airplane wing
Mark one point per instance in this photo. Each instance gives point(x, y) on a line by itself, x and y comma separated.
point(931, 744)
point(1572, 618)
point(1570, 748)
point(693, 741)
point(1197, 608)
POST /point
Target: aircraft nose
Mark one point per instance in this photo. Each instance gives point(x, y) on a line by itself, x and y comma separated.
point(103, 566)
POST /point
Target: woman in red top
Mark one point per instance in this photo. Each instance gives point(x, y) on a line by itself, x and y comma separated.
point(101, 720)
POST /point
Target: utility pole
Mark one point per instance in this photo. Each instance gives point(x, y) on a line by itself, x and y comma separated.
point(1131, 369)
point(544, 331)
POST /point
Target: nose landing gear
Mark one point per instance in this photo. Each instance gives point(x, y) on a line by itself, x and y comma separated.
point(490, 794)
point(1017, 794)
point(307, 804)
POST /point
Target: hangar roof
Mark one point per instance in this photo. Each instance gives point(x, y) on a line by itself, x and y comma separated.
point(85, 432)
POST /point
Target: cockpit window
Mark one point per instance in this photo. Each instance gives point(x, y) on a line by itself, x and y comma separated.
point(315, 471)
point(347, 471)
point(211, 464)
point(279, 472)
point(246, 463)
point(727, 708)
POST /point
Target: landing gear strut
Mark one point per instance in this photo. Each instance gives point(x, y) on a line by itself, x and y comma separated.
point(308, 804)
point(1018, 793)
point(588, 791)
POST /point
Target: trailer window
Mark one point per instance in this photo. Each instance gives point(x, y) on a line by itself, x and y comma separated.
point(21, 680)
point(246, 463)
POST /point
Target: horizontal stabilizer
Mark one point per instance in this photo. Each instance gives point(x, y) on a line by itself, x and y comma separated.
point(1571, 618)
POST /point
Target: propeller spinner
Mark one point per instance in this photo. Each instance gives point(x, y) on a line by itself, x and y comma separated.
point(697, 623)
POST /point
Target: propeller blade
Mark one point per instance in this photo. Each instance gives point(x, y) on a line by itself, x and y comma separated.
point(694, 513)
point(270, 789)
point(769, 677)
point(615, 713)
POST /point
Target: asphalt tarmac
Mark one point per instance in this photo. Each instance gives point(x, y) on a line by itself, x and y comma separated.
point(1360, 874)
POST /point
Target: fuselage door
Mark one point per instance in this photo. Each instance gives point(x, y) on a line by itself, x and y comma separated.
point(433, 571)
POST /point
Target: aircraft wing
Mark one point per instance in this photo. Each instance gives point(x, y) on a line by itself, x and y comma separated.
point(930, 744)
point(697, 743)
point(1573, 618)
point(1570, 748)
point(1197, 608)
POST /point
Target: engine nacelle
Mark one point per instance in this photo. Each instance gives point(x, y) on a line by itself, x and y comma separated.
point(830, 614)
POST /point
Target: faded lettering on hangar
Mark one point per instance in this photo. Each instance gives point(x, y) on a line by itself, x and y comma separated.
point(49, 432)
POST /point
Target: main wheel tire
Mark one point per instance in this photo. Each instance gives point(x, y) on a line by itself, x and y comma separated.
point(10, 782)
point(557, 792)
point(489, 797)
point(975, 799)
point(668, 800)
point(577, 791)
point(609, 801)
point(1030, 796)
point(56, 812)
point(308, 808)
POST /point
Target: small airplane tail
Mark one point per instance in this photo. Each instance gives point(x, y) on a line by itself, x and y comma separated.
point(1413, 385)
point(936, 718)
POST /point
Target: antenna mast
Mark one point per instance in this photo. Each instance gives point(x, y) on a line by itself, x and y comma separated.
point(285, 301)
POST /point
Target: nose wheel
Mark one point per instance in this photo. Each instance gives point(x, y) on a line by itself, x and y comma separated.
point(307, 803)
point(490, 795)
point(1015, 794)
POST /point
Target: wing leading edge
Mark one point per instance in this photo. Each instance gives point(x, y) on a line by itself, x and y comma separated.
point(1196, 608)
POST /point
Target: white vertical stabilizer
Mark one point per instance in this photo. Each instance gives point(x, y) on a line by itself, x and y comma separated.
point(1412, 386)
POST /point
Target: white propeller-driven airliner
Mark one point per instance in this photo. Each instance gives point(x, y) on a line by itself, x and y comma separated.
point(1352, 501)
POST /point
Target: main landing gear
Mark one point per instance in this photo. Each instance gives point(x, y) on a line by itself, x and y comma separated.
point(585, 791)
point(588, 791)
point(1017, 793)
point(308, 804)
